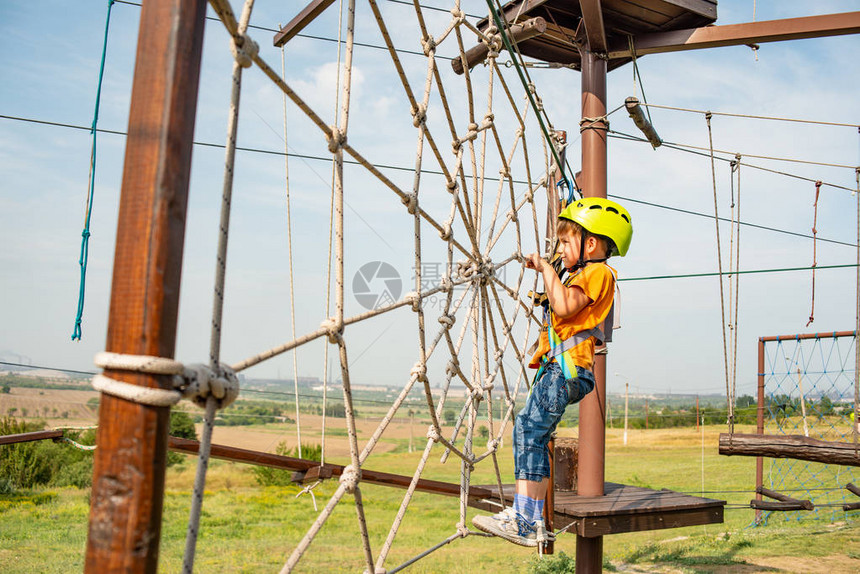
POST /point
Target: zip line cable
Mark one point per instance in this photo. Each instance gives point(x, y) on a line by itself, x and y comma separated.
point(432, 172)
point(680, 147)
point(85, 234)
point(754, 117)
point(730, 273)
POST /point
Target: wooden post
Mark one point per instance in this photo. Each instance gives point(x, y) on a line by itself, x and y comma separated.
point(592, 429)
point(128, 473)
point(549, 500)
point(552, 206)
point(759, 417)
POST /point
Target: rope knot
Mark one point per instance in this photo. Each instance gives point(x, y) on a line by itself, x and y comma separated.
point(336, 139)
point(433, 434)
point(453, 366)
point(530, 195)
point(446, 284)
point(410, 200)
point(452, 186)
point(446, 232)
point(512, 214)
point(493, 445)
point(202, 382)
point(350, 478)
point(429, 45)
point(413, 299)
point(419, 115)
point(334, 331)
point(459, 15)
point(493, 40)
point(447, 320)
point(477, 394)
point(419, 371)
point(244, 50)
point(462, 530)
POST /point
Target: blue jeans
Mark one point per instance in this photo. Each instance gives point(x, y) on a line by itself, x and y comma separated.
point(537, 420)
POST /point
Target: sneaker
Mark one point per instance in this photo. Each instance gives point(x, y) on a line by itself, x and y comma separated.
point(508, 524)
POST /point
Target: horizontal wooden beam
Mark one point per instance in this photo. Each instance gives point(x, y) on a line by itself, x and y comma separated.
point(30, 436)
point(242, 455)
point(606, 525)
point(739, 34)
point(300, 22)
point(789, 446)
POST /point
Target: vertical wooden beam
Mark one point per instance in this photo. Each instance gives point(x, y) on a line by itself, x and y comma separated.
point(759, 418)
point(549, 501)
point(592, 431)
point(128, 474)
point(592, 16)
point(552, 205)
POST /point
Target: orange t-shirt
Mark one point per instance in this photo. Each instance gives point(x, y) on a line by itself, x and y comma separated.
point(597, 281)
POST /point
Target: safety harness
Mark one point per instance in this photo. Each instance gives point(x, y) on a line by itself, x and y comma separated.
point(558, 346)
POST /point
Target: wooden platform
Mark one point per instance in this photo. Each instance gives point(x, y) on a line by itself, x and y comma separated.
point(623, 509)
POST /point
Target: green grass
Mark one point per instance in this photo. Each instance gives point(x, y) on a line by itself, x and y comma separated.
point(250, 528)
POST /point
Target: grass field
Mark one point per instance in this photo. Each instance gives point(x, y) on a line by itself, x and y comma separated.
point(249, 528)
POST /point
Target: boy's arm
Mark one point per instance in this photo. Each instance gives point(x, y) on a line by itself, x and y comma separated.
point(565, 301)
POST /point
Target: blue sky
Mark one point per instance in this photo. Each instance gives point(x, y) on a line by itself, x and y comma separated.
point(670, 337)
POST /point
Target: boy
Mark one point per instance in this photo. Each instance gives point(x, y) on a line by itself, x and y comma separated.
point(589, 231)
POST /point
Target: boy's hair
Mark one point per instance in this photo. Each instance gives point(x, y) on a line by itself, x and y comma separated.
point(568, 226)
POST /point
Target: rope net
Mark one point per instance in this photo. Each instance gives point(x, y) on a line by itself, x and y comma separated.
point(471, 220)
point(809, 390)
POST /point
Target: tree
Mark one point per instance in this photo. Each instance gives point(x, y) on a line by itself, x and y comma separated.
point(6, 389)
point(450, 417)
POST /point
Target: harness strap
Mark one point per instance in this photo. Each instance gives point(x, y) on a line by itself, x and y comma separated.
point(575, 340)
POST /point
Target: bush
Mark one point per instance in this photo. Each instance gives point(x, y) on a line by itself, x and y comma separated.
point(267, 476)
point(559, 563)
point(30, 464)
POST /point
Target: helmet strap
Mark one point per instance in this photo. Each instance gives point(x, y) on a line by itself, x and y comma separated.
point(582, 261)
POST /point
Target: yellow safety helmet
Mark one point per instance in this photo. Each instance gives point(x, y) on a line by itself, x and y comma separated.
point(602, 217)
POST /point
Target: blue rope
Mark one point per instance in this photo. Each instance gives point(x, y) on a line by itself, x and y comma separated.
point(85, 234)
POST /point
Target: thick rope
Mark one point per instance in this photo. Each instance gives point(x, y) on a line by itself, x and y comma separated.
point(292, 284)
point(730, 408)
point(85, 234)
point(243, 50)
point(814, 249)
